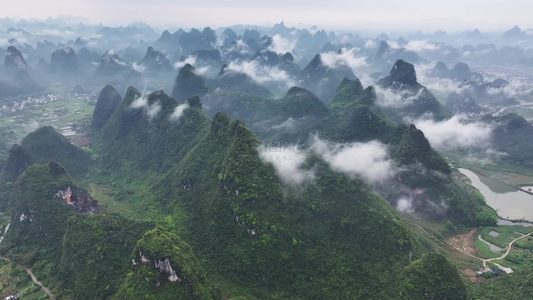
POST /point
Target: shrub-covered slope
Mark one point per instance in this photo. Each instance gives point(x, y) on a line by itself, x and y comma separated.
point(47, 144)
point(332, 238)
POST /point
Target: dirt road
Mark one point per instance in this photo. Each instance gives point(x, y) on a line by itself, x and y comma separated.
point(28, 270)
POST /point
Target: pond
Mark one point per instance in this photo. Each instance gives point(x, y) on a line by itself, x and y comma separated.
point(509, 202)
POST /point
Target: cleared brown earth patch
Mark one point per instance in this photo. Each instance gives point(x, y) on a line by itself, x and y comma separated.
point(472, 275)
point(464, 242)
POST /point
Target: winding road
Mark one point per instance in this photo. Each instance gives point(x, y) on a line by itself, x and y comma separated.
point(28, 270)
point(491, 260)
point(506, 252)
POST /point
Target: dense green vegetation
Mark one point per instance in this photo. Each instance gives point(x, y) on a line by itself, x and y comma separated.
point(41, 146)
point(414, 147)
point(268, 240)
point(120, 138)
point(76, 253)
point(46, 144)
point(518, 285)
point(433, 277)
point(188, 84)
point(354, 116)
point(505, 234)
point(164, 267)
point(38, 217)
point(94, 254)
point(107, 102)
point(17, 162)
point(299, 103)
point(242, 186)
point(233, 81)
point(229, 225)
point(15, 280)
point(263, 235)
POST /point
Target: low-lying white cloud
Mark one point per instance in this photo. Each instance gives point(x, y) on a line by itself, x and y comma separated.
point(371, 44)
point(405, 204)
point(192, 60)
point(150, 110)
point(346, 57)
point(153, 110)
point(421, 45)
point(445, 86)
point(288, 124)
point(57, 33)
point(262, 74)
point(394, 45)
point(395, 98)
point(368, 160)
point(189, 60)
point(138, 68)
point(120, 62)
point(439, 86)
point(202, 70)
point(515, 89)
point(178, 111)
point(281, 44)
point(240, 47)
point(455, 133)
point(288, 162)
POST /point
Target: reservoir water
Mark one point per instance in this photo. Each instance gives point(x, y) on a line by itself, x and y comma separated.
point(506, 200)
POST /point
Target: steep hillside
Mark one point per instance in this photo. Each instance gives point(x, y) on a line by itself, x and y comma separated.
point(56, 231)
point(322, 79)
point(17, 162)
point(95, 254)
point(416, 100)
point(425, 279)
point(42, 200)
point(243, 222)
point(165, 267)
point(154, 119)
point(47, 144)
point(354, 115)
point(107, 102)
point(248, 229)
point(188, 84)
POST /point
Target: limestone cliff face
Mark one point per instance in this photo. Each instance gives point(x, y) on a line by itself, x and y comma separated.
point(79, 200)
point(165, 266)
point(162, 264)
point(106, 104)
point(42, 200)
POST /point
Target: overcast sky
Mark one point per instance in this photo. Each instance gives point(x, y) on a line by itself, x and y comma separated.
point(391, 15)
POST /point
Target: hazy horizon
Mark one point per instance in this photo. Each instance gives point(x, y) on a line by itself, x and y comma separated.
point(395, 16)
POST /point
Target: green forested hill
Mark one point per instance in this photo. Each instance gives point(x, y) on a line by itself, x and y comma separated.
point(433, 277)
point(241, 220)
point(229, 225)
point(78, 253)
point(47, 144)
